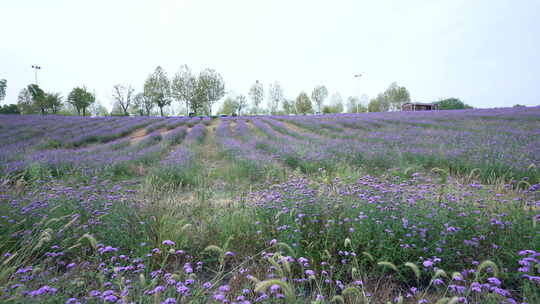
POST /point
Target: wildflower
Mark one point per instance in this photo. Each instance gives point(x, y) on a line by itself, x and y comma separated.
point(169, 243)
point(427, 263)
point(224, 288)
point(169, 301)
point(274, 288)
point(494, 281)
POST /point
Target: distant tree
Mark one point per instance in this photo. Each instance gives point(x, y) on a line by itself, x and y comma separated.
point(374, 105)
point(123, 96)
point(229, 106)
point(183, 86)
point(97, 109)
point(289, 106)
point(336, 103)
point(352, 104)
point(200, 99)
point(518, 106)
point(212, 85)
point(303, 104)
point(275, 96)
point(25, 102)
point(256, 94)
point(38, 98)
point(158, 88)
point(452, 104)
point(9, 109)
point(54, 102)
point(241, 103)
point(3, 88)
point(143, 104)
point(396, 96)
point(318, 95)
point(81, 99)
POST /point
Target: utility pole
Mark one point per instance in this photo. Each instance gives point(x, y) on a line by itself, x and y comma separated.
point(36, 68)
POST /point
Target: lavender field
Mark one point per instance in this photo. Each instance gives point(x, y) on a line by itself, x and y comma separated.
point(396, 207)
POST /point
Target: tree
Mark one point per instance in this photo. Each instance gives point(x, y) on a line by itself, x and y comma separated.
point(229, 106)
point(54, 101)
point(352, 104)
point(396, 96)
point(25, 102)
point(3, 87)
point(374, 105)
point(38, 98)
point(289, 107)
point(241, 103)
point(143, 104)
point(183, 86)
point(256, 94)
point(123, 96)
point(452, 104)
point(212, 85)
point(9, 109)
point(336, 103)
point(81, 99)
point(275, 96)
point(97, 109)
point(303, 104)
point(318, 95)
point(158, 88)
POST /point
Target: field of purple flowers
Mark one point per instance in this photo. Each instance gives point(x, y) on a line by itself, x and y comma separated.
point(420, 207)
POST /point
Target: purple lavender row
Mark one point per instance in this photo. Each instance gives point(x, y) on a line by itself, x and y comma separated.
point(240, 149)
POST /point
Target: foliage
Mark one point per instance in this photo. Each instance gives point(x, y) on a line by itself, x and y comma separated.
point(290, 209)
point(378, 104)
point(256, 94)
point(210, 88)
point(53, 102)
point(3, 88)
point(184, 85)
point(241, 103)
point(355, 106)
point(229, 106)
point(336, 103)
point(123, 96)
point(391, 99)
point(452, 104)
point(303, 104)
point(289, 106)
point(396, 96)
point(318, 95)
point(275, 96)
point(143, 103)
point(81, 99)
point(157, 87)
point(9, 109)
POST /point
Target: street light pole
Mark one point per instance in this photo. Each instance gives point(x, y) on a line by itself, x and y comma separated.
point(358, 104)
point(36, 68)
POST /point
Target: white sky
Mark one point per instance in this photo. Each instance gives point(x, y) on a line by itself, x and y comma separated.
point(485, 52)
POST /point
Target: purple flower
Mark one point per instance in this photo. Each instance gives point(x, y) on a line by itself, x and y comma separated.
point(494, 281)
point(169, 243)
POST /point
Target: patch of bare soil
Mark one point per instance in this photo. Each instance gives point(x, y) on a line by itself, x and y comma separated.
point(137, 136)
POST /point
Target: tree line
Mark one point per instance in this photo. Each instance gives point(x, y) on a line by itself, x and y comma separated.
point(197, 94)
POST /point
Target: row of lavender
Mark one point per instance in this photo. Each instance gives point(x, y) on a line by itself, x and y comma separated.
point(26, 151)
point(501, 142)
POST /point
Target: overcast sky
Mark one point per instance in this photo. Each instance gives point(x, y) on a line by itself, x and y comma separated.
point(485, 52)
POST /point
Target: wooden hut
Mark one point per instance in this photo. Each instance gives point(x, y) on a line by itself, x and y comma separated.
point(419, 106)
